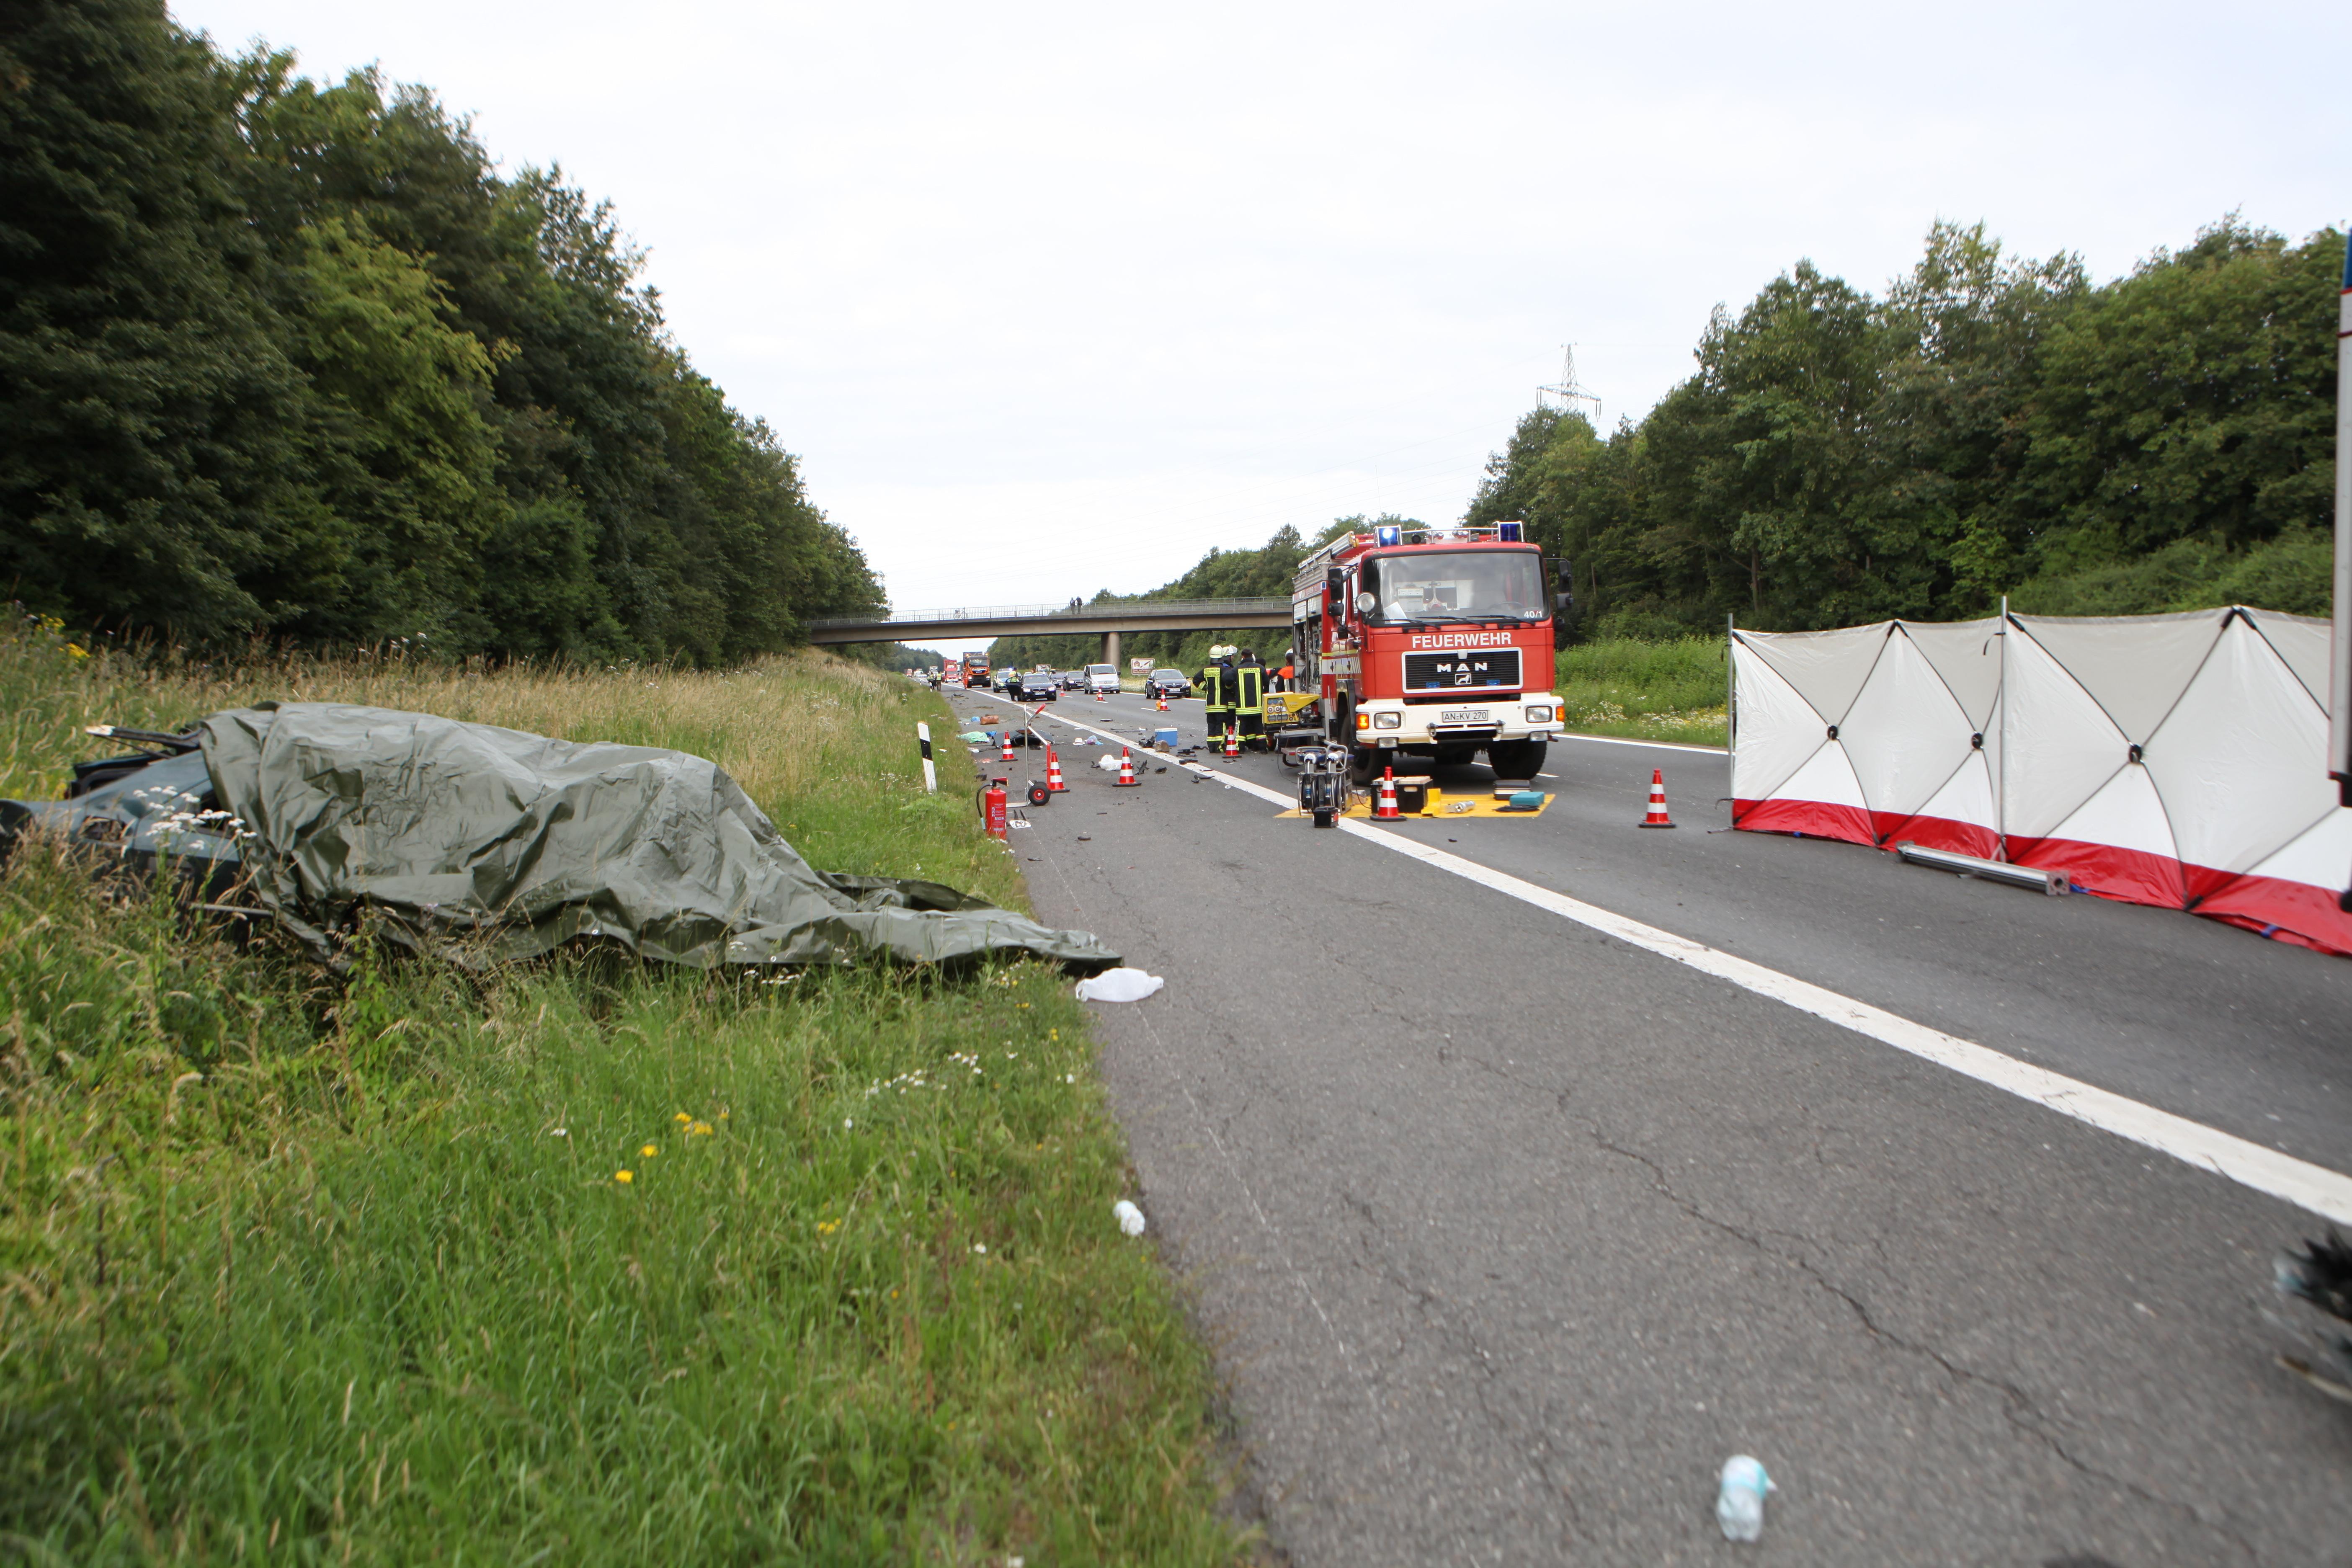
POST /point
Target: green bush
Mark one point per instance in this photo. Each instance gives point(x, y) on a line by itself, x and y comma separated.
point(1670, 689)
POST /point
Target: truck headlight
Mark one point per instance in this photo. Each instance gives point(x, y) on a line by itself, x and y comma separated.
point(1538, 715)
point(1388, 720)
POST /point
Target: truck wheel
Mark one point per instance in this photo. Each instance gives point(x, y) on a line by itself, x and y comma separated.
point(1517, 759)
point(1364, 766)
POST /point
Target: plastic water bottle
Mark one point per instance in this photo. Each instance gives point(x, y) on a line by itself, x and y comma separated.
point(1739, 1504)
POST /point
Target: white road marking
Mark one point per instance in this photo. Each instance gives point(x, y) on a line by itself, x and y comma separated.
point(2313, 1188)
point(1649, 745)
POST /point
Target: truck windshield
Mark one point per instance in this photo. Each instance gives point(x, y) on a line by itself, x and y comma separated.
point(1458, 584)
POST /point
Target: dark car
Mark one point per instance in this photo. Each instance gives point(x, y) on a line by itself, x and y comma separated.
point(1040, 686)
point(1167, 683)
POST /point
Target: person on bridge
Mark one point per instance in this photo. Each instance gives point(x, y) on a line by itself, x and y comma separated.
point(1249, 699)
point(1217, 695)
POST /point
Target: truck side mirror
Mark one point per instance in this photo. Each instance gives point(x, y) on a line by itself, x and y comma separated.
point(1335, 587)
point(1563, 603)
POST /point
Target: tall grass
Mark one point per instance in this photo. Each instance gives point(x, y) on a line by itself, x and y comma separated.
point(296, 1269)
point(1671, 690)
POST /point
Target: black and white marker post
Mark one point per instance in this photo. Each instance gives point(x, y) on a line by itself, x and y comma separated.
point(930, 774)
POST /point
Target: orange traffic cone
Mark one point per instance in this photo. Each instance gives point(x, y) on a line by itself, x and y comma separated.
point(1657, 817)
point(1100, 698)
point(1053, 785)
point(1163, 702)
point(1008, 745)
point(1384, 803)
point(1126, 770)
point(1233, 745)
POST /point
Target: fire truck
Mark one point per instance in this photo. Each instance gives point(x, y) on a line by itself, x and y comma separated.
point(1431, 646)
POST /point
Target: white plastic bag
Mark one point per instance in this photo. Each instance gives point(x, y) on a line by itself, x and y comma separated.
point(1119, 985)
point(1108, 763)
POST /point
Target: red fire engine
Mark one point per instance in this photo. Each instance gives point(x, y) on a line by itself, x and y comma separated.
point(1432, 643)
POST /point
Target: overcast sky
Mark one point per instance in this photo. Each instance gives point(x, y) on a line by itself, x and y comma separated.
point(1057, 298)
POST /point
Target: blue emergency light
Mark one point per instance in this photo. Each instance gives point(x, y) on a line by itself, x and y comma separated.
point(1507, 532)
point(1389, 533)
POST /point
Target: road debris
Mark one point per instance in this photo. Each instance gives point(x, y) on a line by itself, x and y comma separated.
point(1740, 1501)
point(1122, 985)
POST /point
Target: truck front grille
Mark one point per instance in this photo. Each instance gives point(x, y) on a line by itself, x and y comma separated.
point(1462, 669)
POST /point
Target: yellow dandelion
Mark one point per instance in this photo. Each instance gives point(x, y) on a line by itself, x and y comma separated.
point(623, 1177)
point(681, 1117)
point(649, 1151)
point(698, 1129)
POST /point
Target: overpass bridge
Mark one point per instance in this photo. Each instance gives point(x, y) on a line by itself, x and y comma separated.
point(1107, 620)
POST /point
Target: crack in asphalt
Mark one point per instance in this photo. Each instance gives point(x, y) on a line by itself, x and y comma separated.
point(1266, 1222)
point(1383, 1255)
point(2016, 1403)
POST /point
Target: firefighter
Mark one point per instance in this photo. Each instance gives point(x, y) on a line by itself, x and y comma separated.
point(1217, 694)
point(1249, 699)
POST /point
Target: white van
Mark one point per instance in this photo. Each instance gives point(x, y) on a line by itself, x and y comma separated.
point(1102, 677)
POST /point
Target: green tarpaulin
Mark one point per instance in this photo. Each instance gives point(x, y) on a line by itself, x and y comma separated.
point(466, 836)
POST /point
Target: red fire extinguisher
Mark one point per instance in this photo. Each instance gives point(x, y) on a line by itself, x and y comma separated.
point(993, 807)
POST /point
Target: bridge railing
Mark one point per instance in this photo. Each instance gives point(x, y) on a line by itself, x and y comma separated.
point(1140, 609)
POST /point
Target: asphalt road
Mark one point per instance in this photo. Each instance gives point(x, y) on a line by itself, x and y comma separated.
point(1508, 1232)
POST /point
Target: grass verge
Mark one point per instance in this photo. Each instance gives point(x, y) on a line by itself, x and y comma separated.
point(1646, 690)
point(309, 1270)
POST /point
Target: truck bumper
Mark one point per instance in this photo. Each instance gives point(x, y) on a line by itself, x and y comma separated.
point(1388, 723)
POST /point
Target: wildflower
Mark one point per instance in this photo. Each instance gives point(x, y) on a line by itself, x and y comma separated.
point(560, 1133)
point(980, 1248)
point(623, 1177)
point(682, 1117)
point(846, 1123)
point(698, 1129)
point(1069, 1077)
point(649, 1151)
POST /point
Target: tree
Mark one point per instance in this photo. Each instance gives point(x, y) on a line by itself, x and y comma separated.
point(151, 426)
point(294, 360)
point(1991, 425)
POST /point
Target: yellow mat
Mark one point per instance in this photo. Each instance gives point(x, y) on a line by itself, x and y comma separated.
point(1440, 804)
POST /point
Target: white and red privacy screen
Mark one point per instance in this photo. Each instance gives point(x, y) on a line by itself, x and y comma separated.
point(2170, 759)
